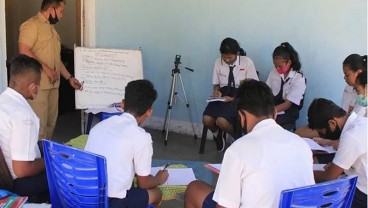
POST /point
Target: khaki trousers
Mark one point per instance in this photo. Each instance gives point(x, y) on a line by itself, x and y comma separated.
point(45, 105)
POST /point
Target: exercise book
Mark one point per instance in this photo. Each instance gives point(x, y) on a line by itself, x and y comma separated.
point(177, 176)
point(316, 147)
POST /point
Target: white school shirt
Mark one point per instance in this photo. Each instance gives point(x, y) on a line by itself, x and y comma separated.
point(293, 89)
point(349, 98)
point(352, 152)
point(261, 164)
point(19, 127)
point(244, 69)
point(127, 149)
point(360, 110)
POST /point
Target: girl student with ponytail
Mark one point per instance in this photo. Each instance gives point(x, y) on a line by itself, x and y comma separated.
point(355, 71)
point(230, 69)
point(288, 85)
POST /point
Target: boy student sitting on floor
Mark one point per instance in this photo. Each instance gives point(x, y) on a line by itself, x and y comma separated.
point(259, 165)
point(19, 128)
point(331, 121)
point(128, 150)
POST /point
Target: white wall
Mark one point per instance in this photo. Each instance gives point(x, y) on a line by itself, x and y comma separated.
point(323, 32)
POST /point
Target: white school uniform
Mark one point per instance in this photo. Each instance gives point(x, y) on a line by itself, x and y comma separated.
point(244, 69)
point(127, 149)
point(349, 98)
point(293, 89)
point(352, 152)
point(19, 127)
point(258, 166)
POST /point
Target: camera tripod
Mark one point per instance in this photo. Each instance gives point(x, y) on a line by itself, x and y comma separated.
point(175, 73)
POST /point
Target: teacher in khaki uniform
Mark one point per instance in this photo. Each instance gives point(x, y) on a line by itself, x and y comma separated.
point(39, 39)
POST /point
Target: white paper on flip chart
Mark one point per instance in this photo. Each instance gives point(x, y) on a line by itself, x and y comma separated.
point(177, 176)
point(315, 146)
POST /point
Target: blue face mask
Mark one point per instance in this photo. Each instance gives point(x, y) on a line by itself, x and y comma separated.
point(362, 101)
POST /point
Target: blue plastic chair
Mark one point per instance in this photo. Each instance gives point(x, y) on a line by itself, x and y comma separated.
point(335, 193)
point(76, 178)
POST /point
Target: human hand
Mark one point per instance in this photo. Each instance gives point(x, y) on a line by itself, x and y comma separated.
point(75, 83)
point(217, 93)
point(228, 99)
point(51, 74)
point(327, 166)
point(162, 176)
point(321, 141)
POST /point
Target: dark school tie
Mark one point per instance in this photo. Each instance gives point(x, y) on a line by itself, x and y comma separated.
point(231, 80)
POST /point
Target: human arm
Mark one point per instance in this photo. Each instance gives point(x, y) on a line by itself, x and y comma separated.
point(28, 168)
point(72, 81)
point(327, 142)
point(25, 49)
point(216, 90)
point(307, 132)
point(284, 106)
point(148, 182)
point(331, 172)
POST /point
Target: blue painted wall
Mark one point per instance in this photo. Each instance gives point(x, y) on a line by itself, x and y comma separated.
point(323, 32)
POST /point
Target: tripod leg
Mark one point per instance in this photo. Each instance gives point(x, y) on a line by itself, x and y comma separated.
point(169, 102)
point(187, 104)
point(169, 107)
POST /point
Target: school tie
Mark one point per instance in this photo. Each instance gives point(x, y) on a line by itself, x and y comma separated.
point(282, 86)
point(231, 80)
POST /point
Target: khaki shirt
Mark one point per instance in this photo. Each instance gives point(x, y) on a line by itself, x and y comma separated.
point(44, 41)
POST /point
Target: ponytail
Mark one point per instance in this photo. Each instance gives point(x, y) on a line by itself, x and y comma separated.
point(286, 51)
point(356, 62)
point(242, 52)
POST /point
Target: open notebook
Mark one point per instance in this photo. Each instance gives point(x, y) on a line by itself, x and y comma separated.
point(316, 147)
point(177, 176)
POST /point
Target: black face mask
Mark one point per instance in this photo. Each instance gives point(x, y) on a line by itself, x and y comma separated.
point(333, 135)
point(53, 20)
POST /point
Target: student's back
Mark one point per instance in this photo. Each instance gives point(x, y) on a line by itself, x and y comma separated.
point(119, 139)
point(269, 159)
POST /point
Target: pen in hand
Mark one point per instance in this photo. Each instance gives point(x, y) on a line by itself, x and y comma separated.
point(167, 165)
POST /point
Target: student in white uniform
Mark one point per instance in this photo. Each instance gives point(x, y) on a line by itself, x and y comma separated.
point(353, 65)
point(333, 122)
point(288, 85)
point(361, 106)
point(259, 165)
point(230, 69)
point(128, 150)
point(19, 129)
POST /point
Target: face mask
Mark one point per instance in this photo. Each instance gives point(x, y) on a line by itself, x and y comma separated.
point(284, 69)
point(53, 20)
point(362, 101)
point(333, 135)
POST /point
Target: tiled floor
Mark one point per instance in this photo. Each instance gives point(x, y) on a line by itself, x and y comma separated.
point(180, 147)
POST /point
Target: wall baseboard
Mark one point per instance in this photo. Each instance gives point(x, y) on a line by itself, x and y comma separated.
point(181, 127)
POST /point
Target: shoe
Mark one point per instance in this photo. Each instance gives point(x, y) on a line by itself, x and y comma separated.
point(220, 142)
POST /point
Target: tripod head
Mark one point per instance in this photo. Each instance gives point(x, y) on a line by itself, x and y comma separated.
point(176, 63)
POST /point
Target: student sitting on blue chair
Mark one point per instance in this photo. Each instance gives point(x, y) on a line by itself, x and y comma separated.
point(333, 122)
point(128, 150)
point(259, 165)
point(19, 129)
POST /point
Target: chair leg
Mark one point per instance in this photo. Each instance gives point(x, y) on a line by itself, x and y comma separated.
point(89, 122)
point(203, 140)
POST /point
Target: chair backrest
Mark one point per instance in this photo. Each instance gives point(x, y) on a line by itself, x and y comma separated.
point(76, 178)
point(335, 193)
point(6, 179)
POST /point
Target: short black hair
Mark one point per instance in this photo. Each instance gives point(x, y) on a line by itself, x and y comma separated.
point(48, 3)
point(321, 111)
point(22, 64)
point(255, 97)
point(362, 78)
point(139, 96)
